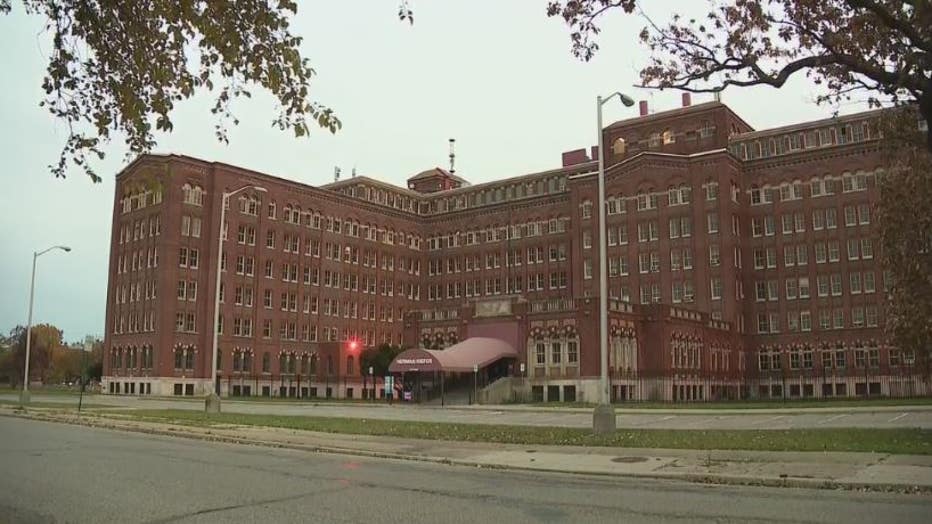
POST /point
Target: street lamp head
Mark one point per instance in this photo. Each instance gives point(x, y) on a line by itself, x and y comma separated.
point(626, 100)
point(66, 249)
point(264, 190)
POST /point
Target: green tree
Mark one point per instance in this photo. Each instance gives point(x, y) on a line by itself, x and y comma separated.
point(882, 48)
point(120, 67)
point(46, 340)
point(906, 235)
point(379, 358)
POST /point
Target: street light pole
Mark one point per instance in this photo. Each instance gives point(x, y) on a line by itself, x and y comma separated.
point(603, 417)
point(212, 401)
point(24, 396)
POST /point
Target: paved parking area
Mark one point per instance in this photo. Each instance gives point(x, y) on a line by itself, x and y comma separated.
point(887, 417)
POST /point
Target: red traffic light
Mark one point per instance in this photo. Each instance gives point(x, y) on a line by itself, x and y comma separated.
point(353, 344)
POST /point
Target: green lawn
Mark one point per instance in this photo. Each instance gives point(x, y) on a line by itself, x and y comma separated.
point(748, 404)
point(900, 441)
point(53, 405)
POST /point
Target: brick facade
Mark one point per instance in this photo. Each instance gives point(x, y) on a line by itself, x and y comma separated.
point(722, 268)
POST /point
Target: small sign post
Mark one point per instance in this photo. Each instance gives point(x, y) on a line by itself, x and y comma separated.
point(389, 387)
point(88, 347)
point(475, 383)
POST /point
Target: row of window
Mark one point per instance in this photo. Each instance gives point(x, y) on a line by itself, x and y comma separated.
point(150, 226)
point(858, 317)
point(476, 197)
point(138, 260)
point(133, 292)
point(557, 352)
point(798, 287)
point(818, 187)
point(824, 137)
point(138, 199)
point(533, 228)
point(132, 358)
point(292, 331)
point(821, 219)
point(311, 305)
point(333, 251)
point(534, 255)
point(798, 255)
point(294, 215)
point(832, 358)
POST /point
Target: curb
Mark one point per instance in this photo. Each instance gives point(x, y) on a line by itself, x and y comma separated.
point(733, 480)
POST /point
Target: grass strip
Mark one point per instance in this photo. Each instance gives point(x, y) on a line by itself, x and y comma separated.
point(746, 404)
point(53, 405)
point(897, 441)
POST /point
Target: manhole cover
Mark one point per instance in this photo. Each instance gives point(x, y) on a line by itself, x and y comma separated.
point(629, 460)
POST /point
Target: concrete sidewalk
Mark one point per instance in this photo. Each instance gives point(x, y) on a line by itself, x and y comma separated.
point(875, 471)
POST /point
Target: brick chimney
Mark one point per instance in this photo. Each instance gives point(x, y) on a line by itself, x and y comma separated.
point(576, 156)
point(643, 107)
point(595, 153)
point(687, 100)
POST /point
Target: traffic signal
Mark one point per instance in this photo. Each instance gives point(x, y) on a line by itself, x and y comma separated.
point(353, 345)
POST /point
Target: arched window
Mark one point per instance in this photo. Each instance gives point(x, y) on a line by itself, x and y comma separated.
point(668, 137)
point(619, 146)
point(586, 209)
point(350, 363)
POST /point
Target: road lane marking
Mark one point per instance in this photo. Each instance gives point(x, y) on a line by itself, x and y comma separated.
point(649, 419)
point(836, 417)
point(771, 419)
point(894, 419)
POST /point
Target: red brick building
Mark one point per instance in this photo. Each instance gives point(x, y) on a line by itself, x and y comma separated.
point(741, 263)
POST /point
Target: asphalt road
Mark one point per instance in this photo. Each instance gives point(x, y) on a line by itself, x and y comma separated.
point(682, 419)
point(54, 472)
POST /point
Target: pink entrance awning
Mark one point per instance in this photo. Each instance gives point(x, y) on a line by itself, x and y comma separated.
point(475, 352)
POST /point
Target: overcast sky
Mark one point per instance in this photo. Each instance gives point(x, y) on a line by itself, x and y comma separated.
point(497, 76)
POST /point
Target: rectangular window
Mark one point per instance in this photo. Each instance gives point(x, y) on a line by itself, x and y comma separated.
point(822, 285)
point(851, 218)
point(556, 353)
point(818, 220)
point(853, 248)
point(864, 214)
point(773, 290)
point(820, 253)
point(712, 222)
point(836, 285)
point(803, 287)
point(854, 283)
point(716, 288)
point(867, 249)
